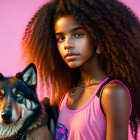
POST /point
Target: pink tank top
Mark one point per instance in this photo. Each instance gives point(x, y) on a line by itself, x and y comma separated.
point(86, 123)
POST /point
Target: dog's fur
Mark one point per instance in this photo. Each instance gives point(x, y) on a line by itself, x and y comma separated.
point(21, 114)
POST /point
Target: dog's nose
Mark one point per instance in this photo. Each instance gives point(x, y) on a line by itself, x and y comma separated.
point(6, 115)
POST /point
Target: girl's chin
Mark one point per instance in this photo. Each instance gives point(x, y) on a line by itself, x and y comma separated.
point(73, 65)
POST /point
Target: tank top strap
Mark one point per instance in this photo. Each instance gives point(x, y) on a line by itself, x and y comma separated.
point(62, 99)
point(101, 90)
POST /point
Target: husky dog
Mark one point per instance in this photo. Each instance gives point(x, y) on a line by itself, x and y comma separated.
point(21, 114)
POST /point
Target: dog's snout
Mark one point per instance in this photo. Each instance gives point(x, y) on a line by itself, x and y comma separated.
point(6, 115)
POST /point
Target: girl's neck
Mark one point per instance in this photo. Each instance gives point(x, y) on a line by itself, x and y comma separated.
point(91, 72)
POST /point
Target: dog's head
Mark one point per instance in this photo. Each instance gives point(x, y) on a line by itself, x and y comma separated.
point(19, 105)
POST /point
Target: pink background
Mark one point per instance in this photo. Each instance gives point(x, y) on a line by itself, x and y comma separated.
point(14, 16)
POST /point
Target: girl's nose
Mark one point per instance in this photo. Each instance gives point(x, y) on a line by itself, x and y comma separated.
point(68, 44)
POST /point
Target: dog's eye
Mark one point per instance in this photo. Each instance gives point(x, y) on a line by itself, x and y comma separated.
point(19, 94)
point(1, 93)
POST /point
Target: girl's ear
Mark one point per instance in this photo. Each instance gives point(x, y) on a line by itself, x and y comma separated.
point(98, 50)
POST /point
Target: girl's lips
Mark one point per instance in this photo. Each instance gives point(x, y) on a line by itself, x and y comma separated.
point(71, 55)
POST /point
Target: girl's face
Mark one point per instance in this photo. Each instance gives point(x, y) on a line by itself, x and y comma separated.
point(73, 42)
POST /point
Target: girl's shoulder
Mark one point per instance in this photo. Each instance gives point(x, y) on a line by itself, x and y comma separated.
point(116, 97)
point(115, 88)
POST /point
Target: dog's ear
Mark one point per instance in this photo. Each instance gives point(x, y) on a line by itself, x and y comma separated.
point(29, 75)
point(1, 76)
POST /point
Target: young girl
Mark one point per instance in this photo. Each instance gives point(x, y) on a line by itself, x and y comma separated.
point(87, 52)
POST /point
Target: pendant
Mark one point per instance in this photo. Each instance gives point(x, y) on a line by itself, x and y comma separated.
point(76, 92)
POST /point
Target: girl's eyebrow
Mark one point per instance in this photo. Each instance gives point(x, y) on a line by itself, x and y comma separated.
point(74, 29)
point(77, 28)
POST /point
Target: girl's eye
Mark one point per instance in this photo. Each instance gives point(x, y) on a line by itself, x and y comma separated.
point(60, 38)
point(78, 35)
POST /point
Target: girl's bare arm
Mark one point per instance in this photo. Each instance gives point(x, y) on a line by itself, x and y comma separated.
point(116, 105)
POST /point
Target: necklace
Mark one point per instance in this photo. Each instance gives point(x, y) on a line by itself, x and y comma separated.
point(77, 91)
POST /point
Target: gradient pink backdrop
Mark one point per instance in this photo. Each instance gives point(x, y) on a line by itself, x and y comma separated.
point(14, 16)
